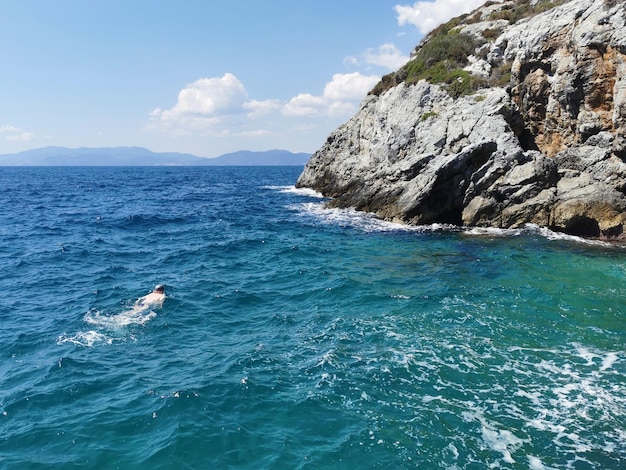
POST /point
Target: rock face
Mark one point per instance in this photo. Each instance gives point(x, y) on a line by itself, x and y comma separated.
point(540, 137)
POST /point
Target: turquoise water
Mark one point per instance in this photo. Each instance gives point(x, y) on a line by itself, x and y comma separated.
point(294, 337)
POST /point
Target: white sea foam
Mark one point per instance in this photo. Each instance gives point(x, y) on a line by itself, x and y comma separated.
point(298, 191)
point(530, 229)
point(370, 222)
point(400, 296)
point(327, 359)
point(108, 328)
point(85, 338)
point(535, 463)
point(364, 221)
point(492, 232)
point(134, 316)
point(326, 379)
point(503, 441)
point(559, 396)
point(609, 360)
point(575, 395)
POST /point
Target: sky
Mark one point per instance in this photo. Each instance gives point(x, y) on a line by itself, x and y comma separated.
point(205, 77)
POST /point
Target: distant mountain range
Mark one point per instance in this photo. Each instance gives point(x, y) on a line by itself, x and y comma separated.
point(139, 156)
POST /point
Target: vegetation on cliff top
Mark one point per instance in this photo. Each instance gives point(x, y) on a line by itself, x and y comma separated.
point(523, 9)
point(443, 54)
point(440, 59)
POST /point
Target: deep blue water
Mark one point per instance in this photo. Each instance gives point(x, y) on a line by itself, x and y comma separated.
point(294, 337)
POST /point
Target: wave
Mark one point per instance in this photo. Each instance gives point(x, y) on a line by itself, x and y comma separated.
point(370, 222)
point(364, 221)
point(533, 229)
point(297, 191)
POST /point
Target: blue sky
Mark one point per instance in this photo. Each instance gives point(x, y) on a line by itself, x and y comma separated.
point(203, 77)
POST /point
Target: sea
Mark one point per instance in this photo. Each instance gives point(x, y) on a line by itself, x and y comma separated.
point(294, 336)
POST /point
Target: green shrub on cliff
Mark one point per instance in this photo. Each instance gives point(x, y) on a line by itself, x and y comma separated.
point(443, 54)
point(440, 60)
point(524, 9)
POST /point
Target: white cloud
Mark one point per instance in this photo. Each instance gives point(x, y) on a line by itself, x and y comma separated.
point(21, 137)
point(261, 108)
point(205, 102)
point(219, 107)
point(349, 86)
point(15, 134)
point(254, 133)
point(304, 104)
point(387, 56)
point(426, 16)
point(340, 97)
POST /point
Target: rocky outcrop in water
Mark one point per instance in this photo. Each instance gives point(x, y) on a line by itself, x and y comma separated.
point(528, 125)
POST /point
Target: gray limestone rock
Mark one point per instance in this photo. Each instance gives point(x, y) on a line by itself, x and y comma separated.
point(547, 147)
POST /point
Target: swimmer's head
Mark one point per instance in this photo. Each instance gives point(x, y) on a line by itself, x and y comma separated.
point(160, 288)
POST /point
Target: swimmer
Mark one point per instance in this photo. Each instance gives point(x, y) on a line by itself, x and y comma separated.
point(153, 299)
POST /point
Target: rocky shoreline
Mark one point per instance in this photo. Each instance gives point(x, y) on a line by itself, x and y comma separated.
point(532, 129)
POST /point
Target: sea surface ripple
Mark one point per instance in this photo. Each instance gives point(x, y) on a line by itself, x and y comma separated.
point(294, 336)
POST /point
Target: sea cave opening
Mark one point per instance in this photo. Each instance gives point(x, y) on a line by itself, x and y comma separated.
point(583, 227)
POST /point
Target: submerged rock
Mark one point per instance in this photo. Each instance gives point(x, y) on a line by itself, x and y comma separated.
point(533, 130)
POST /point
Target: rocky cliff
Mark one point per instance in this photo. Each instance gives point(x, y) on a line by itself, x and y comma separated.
point(513, 114)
